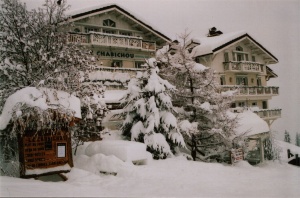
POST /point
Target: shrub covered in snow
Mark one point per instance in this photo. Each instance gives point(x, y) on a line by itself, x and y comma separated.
point(149, 114)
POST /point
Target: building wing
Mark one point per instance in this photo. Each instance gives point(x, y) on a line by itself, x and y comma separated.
point(121, 14)
point(213, 45)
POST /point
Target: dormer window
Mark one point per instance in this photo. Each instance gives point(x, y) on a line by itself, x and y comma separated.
point(239, 48)
point(109, 23)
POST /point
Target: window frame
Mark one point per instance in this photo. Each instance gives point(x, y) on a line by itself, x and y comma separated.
point(108, 23)
point(115, 63)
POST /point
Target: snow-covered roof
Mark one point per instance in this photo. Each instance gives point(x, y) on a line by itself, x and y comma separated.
point(210, 45)
point(251, 123)
point(82, 13)
point(34, 97)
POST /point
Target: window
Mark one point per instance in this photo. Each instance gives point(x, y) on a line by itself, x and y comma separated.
point(226, 57)
point(125, 33)
point(240, 55)
point(107, 31)
point(109, 23)
point(254, 104)
point(48, 144)
point(91, 29)
point(139, 64)
point(241, 104)
point(253, 59)
point(117, 63)
point(242, 80)
point(76, 30)
point(239, 48)
point(222, 80)
point(258, 81)
point(233, 105)
point(264, 105)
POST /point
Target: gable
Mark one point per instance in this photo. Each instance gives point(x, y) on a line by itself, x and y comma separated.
point(213, 45)
point(123, 19)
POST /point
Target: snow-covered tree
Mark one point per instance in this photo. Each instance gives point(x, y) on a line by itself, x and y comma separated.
point(287, 137)
point(35, 50)
point(148, 112)
point(93, 110)
point(202, 101)
point(297, 139)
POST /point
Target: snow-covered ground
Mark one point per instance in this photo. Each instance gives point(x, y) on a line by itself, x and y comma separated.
point(174, 177)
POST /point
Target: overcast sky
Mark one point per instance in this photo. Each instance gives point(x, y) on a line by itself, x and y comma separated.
point(274, 24)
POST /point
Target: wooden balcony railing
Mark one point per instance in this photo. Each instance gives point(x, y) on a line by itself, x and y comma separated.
point(103, 39)
point(130, 71)
point(268, 113)
point(244, 66)
point(252, 91)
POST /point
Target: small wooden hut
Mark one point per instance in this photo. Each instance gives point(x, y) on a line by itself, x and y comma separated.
point(41, 120)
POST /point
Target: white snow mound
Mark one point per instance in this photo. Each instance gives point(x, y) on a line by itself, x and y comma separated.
point(124, 150)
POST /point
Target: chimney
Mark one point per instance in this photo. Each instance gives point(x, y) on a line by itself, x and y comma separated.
point(214, 32)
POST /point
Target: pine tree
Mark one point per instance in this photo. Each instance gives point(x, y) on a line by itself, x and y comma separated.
point(149, 114)
point(297, 139)
point(202, 100)
point(287, 137)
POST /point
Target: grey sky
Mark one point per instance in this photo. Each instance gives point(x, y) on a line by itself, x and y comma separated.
point(274, 24)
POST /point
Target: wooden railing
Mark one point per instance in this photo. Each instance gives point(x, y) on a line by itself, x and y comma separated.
point(131, 71)
point(252, 91)
point(268, 113)
point(103, 39)
point(244, 66)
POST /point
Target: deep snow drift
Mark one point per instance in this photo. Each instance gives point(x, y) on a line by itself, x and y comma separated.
point(174, 177)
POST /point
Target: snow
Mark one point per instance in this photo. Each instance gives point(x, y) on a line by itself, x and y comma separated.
point(228, 93)
point(208, 44)
point(124, 150)
point(284, 147)
point(175, 177)
point(206, 106)
point(109, 76)
point(39, 171)
point(251, 123)
point(37, 98)
point(157, 141)
point(114, 96)
point(98, 163)
point(199, 67)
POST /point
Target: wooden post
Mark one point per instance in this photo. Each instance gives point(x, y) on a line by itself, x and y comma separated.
point(262, 153)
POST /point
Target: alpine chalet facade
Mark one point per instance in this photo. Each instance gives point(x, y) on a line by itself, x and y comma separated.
point(117, 38)
point(243, 64)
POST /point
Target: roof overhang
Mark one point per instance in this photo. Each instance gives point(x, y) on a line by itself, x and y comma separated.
point(114, 7)
point(271, 73)
point(254, 45)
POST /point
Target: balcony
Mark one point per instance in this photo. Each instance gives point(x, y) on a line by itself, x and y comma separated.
point(103, 39)
point(269, 114)
point(131, 71)
point(244, 66)
point(253, 91)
